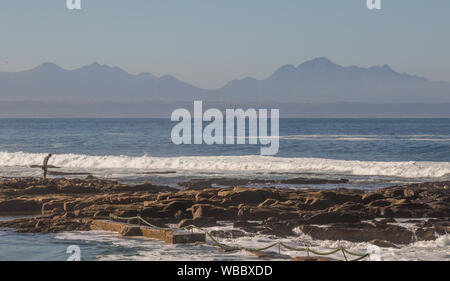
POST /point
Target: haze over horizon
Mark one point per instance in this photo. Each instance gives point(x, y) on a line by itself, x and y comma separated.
point(318, 80)
point(118, 67)
point(207, 43)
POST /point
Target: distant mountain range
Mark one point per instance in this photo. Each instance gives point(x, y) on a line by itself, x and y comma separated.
point(93, 82)
point(318, 80)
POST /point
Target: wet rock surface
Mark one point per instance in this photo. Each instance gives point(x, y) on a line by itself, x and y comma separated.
point(231, 182)
point(337, 214)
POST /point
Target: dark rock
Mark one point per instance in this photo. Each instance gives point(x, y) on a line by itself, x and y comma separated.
point(245, 223)
point(369, 197)
point(383, 244)
point(425, 234)
point(254, 213)
point(130, 231)
point(208, 183)
point(207, 210)
point(48, 207)
point(388, 220)
point(347, 206)
point(327, 218)
point(318, 204)
point(279, 228)
point(248, 195)
point(101, 214)
point(408, 193)
point(268, 202)
point(313, 181)
point(253, 229)
point(379, 203)
point(360, 232)
point(41, 189)
point(177, 205)
point(341, 197)
point(230, 234)
point(395, 212)
point(70, 204)
point(19, 205)
point(200, 222)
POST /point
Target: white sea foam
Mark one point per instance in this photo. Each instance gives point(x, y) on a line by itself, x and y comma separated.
point(248, 164)
point(150, 249)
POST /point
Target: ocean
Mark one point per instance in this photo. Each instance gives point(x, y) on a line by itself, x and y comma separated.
point(371, 153)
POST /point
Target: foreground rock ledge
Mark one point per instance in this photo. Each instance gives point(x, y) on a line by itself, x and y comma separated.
point(338, 214)
point(168, 236)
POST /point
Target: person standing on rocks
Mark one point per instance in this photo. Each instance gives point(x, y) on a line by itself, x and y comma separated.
point(45, 165)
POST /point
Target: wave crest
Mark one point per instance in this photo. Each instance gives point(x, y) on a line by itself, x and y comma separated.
point(234, 163)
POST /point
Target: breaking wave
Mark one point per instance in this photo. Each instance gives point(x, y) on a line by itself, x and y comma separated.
point(248, 164)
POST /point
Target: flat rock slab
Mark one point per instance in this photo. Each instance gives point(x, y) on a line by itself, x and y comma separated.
point(168, 236)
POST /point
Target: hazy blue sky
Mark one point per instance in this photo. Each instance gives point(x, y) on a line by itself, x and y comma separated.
point(209, 42)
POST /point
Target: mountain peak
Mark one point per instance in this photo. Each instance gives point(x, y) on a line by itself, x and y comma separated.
point(387, 67)
point(317, 63)
point(97, 67)
point(324, 60)
point(167, 78)
point(48, 66)
point(284, 70)
point(382, 68)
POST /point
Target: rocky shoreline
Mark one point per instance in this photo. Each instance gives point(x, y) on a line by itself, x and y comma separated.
point(336, 214)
